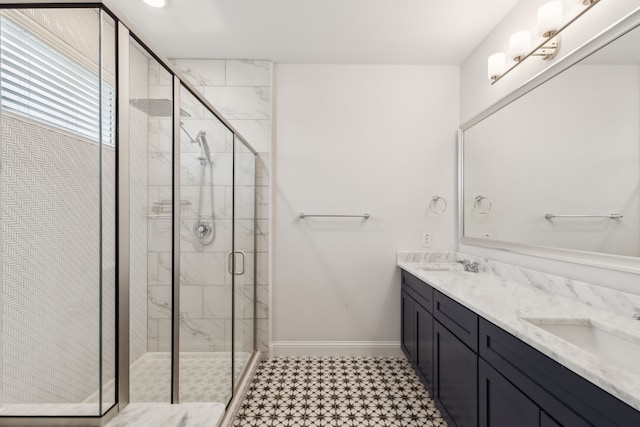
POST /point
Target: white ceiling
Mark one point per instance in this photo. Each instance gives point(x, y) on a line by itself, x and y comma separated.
point(318, 31)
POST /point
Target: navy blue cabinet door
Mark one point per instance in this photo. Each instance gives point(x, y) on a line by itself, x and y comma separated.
point(455, 378)
point(547, 421)
point(408, 341)
point(424, 335)
point(501, 403)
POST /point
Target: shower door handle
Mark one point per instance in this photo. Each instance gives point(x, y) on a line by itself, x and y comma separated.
point(231, 259)
point(243, 270)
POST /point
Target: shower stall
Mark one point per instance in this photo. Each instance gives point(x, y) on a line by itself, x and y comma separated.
point(127, 237)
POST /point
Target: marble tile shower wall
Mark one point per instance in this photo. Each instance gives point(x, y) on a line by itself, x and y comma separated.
point(241, 90)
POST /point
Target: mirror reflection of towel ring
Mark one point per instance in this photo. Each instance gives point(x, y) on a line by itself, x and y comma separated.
point(433, 205)
point(478, 202)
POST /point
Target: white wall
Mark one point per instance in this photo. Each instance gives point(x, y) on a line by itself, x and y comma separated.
point(349, 140)
point(476, 94)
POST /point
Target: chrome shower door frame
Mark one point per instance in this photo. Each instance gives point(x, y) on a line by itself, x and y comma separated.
point(124, 32)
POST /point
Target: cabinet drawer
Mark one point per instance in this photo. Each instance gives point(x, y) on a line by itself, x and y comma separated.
point(565, 396)
point(457, 318)
point(422, 292)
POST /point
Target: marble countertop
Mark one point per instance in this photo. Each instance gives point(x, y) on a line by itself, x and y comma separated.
point(506, 303)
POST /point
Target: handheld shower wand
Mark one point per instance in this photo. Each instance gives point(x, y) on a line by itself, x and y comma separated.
point(201, 140)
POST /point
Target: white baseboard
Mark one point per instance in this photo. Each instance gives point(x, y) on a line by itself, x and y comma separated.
point(336, 348)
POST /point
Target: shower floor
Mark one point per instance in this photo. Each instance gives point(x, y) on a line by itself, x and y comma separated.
point(204, 377)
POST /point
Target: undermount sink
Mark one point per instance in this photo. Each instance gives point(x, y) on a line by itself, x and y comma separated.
point(604, 342)
point(441, 266)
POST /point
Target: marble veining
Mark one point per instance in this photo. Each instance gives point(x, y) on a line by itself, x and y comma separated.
point(241, 91)
point(618, 302)
point(507, 302)
point(202, 72)
point(407, 256)
point(612, 300)
point(167, 415)
point(248, 73)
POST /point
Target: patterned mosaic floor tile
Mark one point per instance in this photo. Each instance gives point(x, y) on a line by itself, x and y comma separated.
point(337, 391)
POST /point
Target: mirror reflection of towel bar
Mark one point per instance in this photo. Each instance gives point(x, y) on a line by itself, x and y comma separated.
point(365, 216)
point(478, 202)
point(612, 216)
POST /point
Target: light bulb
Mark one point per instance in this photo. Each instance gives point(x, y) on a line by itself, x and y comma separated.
point(550, 18)
point(156, 3)
point(519, 45)
point(496, 64)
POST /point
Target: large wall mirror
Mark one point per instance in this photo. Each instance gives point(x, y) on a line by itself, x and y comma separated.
point(557, 165)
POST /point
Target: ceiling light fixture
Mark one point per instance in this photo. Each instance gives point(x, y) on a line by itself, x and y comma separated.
point(156, 3)
point(549, 27)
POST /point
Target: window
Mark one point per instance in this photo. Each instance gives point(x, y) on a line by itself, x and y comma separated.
point(43, 84)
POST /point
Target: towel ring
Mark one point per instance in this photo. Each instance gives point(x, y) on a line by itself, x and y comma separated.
point(478, 202)
point(433, 205)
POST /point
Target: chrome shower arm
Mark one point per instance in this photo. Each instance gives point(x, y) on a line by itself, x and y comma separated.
point(191, 139)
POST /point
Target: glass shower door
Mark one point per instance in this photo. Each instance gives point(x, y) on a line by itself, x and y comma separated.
point(151, 215)
point(206, 191)
point(245, 256)
point(57, 204)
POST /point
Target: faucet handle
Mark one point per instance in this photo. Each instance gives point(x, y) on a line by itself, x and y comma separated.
point(472, 267)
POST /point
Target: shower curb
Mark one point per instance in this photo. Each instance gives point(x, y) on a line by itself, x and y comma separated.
point(243, 386)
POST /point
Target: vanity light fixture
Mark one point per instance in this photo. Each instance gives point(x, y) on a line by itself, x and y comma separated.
point(496, 64)
point(550, 18)
point(156, 3)
point(519, 45)
point(549, 27)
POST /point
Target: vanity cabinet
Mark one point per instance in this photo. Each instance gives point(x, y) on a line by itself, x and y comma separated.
point(455, 378)
point(424, 345)
point(408, 341)
point(501, 404)
point(455, 333)
point(547, 421)
point(566, 398)
point(482, 376)
point(417, 326)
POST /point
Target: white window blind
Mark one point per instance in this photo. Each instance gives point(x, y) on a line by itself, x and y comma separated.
point(43, 84)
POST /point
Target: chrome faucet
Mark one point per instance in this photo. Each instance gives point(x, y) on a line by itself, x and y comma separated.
point(472, 267)
point(636, 313)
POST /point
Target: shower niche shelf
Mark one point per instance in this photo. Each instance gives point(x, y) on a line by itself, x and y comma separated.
point(166, 206)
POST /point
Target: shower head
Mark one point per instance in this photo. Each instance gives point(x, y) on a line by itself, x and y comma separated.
point(156, 107)
point(164, 108)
